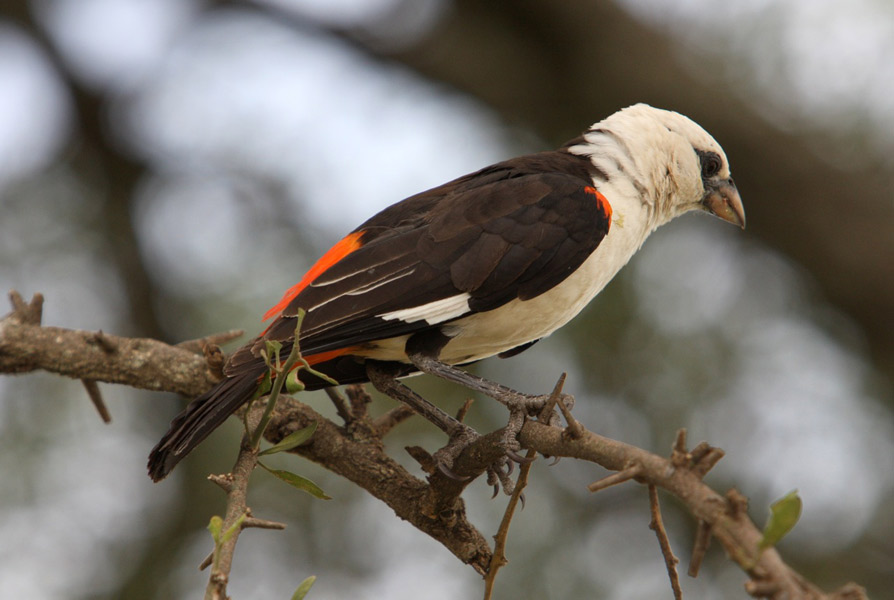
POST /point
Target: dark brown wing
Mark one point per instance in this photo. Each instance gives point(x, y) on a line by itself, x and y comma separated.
point(510, 231)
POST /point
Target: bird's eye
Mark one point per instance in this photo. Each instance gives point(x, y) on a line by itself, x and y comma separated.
point(711, 164)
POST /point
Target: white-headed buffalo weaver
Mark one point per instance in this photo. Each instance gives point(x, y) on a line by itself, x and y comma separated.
point(486, 264)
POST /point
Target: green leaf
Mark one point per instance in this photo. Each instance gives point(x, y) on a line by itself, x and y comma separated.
point(302, 590)
point(214, 526)
point(292, 440)
point(316, 373)
point(293, 384)
point(297, 481)
point(784, 513)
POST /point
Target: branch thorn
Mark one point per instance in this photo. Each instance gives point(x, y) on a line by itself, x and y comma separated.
point(700, 547)
point(96, 398)
point(616, 478)
point(29, 313)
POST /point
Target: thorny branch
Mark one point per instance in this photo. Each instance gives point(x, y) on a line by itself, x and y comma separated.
point(355, 450)
point(27, 346)
point(238, 515)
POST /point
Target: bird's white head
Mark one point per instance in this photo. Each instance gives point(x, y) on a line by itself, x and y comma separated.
point(666, 160)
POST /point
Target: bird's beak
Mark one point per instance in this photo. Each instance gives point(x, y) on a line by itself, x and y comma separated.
point(722, 200)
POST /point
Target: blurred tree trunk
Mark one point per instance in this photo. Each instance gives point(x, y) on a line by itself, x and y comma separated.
point(558, 66)
point(113, 176)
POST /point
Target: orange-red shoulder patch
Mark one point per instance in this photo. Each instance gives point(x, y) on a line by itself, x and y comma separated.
point(340, 250)
point(315, 359)
point(602, 200)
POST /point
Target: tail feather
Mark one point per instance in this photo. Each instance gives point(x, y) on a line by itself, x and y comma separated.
point(207, 412)
point(202, 416)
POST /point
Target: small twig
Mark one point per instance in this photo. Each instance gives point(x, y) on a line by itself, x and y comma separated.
point(464, 409)
point(657, 525)
point(705, 462)
point(238, 515)
point(96, 398)
point(574, 430)
point(699, 460)
point(547, 411)
point(701, 450)
point(30, 313)
point(391, 419)
point(423, 457)
point(680, 456)
point(700, 547)
point(616, 478)
point(236, 486)
point(359, 399)
point(498, 558)
point(250, 522)
point(341, 405)
point(225, 481)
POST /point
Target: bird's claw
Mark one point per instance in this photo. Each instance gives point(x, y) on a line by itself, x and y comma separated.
point(499, 473)
point(459, 441)
point(498, 476)
point(445, 470)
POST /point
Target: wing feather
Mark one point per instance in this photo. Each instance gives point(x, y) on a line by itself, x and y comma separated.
point(511, 231)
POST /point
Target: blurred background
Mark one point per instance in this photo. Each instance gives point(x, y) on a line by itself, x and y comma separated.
point(169, 167)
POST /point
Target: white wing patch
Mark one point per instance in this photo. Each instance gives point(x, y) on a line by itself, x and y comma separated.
point(433, 312)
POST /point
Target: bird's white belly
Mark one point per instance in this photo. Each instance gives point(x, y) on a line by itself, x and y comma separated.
point(521, 321)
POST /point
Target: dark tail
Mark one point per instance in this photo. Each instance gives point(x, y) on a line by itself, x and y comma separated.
point(202, 416)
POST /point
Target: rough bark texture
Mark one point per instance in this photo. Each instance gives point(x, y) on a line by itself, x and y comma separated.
point(93, 355)
point(356, 452)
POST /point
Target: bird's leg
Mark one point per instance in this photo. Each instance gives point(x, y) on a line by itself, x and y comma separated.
point(386, 383)
point(512, 399)
point(460, 434)
point(520, 405)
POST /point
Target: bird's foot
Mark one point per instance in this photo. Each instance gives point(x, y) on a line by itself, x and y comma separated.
point(543, 407)
point(461, 438)
point(499, 471)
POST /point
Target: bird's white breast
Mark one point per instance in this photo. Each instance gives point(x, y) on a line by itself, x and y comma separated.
point(520, 321)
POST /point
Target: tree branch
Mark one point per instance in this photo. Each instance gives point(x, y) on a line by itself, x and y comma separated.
point(356, 452)
point(142, 363)
point(238, 514)
point(727, 517)
point(359, 456)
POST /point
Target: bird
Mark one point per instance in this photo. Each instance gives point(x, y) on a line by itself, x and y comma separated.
point(486, 264)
